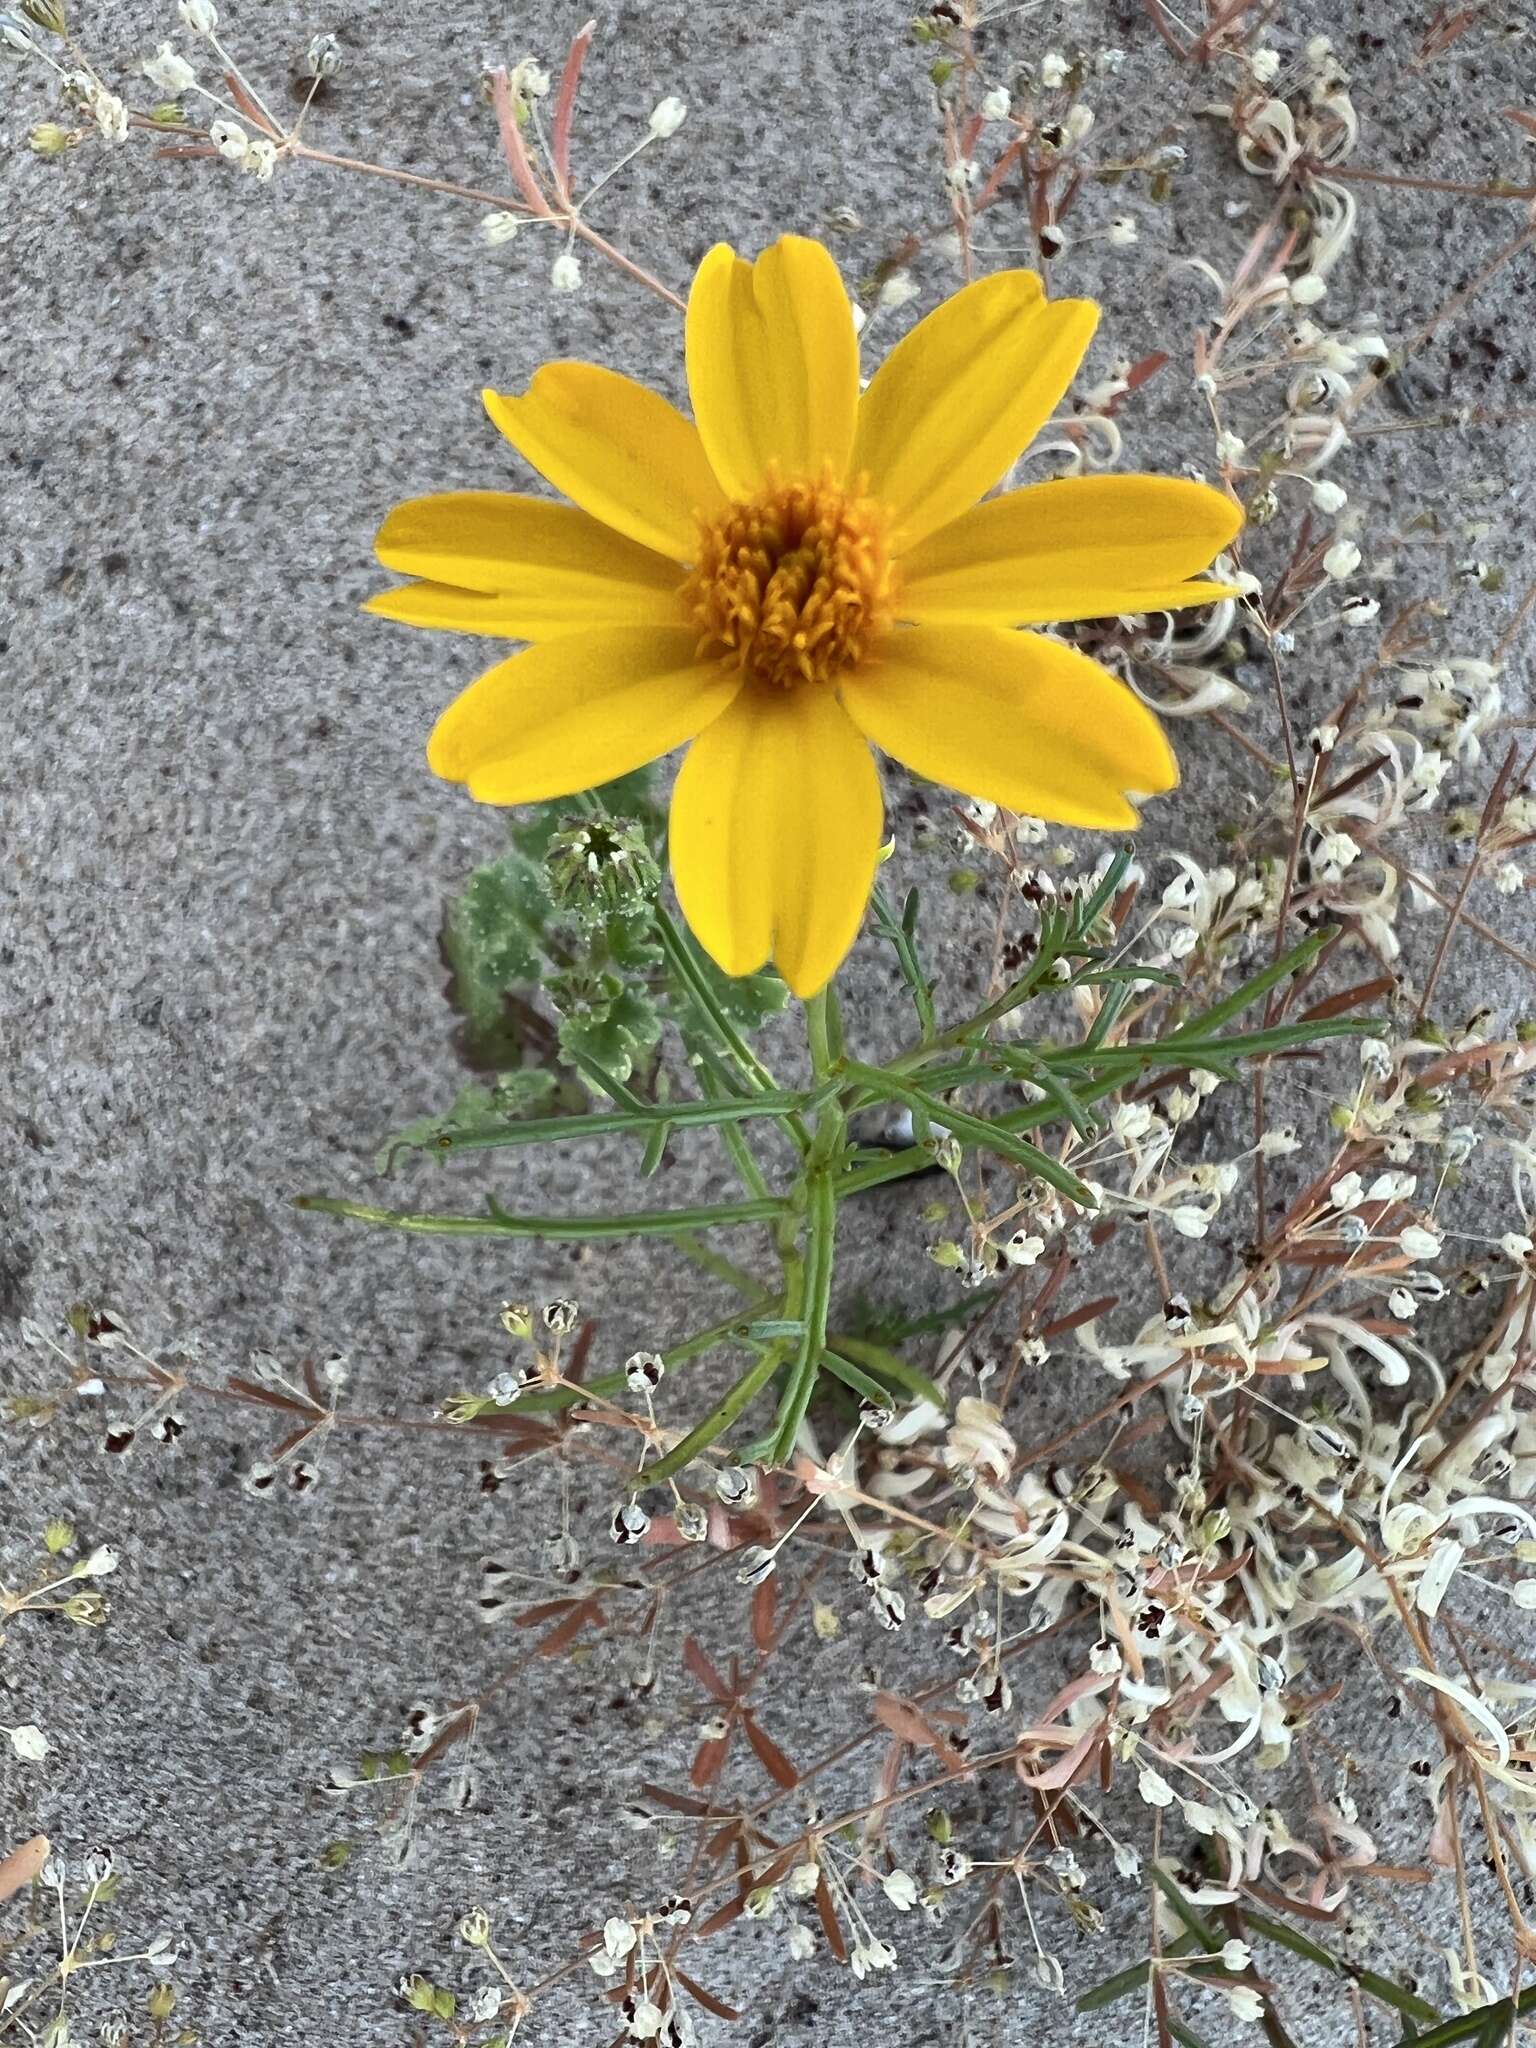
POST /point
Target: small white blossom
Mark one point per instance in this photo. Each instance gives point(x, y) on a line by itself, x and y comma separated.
point(1154, 1787)
point(230, 140)
point(1122, 231)
point(169, 72)
point(900, 1887)
point(1341, 560)
point(1235, 1955)
point(1328, 497)
point(1053, 70)
point(496, 228)
point(111, 115)
point(201, 16)
point(667, 116)
point(565, 272)
point(529, 79)
point(260, 160)
point(1306, 291)
point(30, 1743)
point(1418, 1243)
point(870, 1956)
point(1245, 2004)
point(996, 105)
point(618, 1937)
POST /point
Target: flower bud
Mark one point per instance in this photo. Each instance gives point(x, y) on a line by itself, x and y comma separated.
point(667, 116)
point(323, 57)
point(49, 140)
point(48, 14)
point(601, 868)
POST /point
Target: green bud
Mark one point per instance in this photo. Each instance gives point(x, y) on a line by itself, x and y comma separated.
point(600, 868)
point(475, 1928)
point(334, 1855)
point(942, 70)
point(48, 140)
point(48, 14)
point(88, 1609)
point(444, 2003)
point(936, 1821)
point(963, 881)
point(420, 1995)
point(58, 1535)
point(167, 113)
point(162, 2001)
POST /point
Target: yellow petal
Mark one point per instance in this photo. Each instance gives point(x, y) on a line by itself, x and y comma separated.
point(774, 834)
point(1083, 548)
point(956, 402)
point(1014, 718)
point(522, 567)
point(616, 448)
point(773, 363)
point(576, 712)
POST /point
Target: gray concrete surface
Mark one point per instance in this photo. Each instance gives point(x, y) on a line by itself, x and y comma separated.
point(224, 865)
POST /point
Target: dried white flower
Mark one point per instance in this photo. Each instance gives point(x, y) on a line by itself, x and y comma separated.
point(230, 140)
point(30, 1743)
point(1341, 560)
point(565, 272)
point(201, 16)
point(667, 116)
point(1154, 1787)
point(169, 72)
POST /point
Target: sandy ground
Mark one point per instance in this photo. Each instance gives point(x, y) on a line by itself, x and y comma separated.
point(225, 864)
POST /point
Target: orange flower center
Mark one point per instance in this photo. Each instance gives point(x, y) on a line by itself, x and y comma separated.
point(794, 585)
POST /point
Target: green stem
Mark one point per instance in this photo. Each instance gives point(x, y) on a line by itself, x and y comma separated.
point(731, 1331)
point(642, 1223)
point(702, 996)
point(824, 1034)
point(603, 1123)
point(717, 1421)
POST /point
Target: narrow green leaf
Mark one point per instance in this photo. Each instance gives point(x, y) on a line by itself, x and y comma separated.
point(1124, 1982)
point(601, 1123)
point(716, 1422)
point(1202, 1930)
point(644, 1223)
point(875, 1358)
point(854, 1376)
point(1258, 985)
point(970, 1130)
point(820, 1235)
point(1493, 2020)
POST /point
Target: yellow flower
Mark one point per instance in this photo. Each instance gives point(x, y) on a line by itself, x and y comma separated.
point(799, 571)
